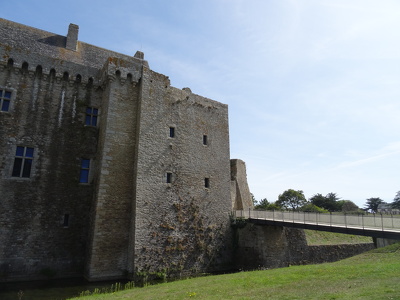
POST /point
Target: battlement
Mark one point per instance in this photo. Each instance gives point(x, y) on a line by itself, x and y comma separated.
point(20, 41)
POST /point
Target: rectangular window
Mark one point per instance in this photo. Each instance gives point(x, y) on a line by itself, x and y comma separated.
point(91, 116)
point(84, 175)
point(207, 183)
point(5, 98)
point(172, 132)
point(169, 177)
point(66, 220)
point(205, 140)
point(23, 162)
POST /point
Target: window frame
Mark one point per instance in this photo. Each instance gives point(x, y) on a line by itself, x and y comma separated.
point(23, 162)
point(84, 172)
point(172, 132)
point(92, 116)
point(10, 100)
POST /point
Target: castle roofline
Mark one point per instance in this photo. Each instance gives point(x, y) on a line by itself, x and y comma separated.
point(17, 37)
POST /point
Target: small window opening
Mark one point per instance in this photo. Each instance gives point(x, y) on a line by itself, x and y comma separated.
point(25, 66)
point(84, 174)
point(39, 70)
point(205, 140)
point(5, 99)
point(207, 183)
point(172, 132)
point(66, 220)
point(91, 116)
point(10, 62)
point(169, 177)
point(66, 76)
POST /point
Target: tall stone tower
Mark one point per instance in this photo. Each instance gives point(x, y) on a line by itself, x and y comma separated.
point(106, 170)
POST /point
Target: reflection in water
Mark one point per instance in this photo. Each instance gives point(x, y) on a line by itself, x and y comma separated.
point(49, 290)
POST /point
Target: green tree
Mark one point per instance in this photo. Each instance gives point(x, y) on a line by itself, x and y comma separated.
point(396, 201)
point(291, 199)
point(349, 206)
point(253, 199)
point(328, 202)
point(264, 204)
point(309, 207)
point(373, 203)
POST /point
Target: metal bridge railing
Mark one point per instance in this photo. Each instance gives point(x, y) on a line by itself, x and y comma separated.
point(370, 221)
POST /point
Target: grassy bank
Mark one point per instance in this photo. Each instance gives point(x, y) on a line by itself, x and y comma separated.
point(371, 275)
point(315, 237)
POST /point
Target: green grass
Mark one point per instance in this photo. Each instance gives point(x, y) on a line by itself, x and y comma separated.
point(371, 275)
point(315, 237)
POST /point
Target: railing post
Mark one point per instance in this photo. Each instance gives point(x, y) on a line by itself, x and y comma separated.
point(382, 221)
point(362, 220)
point(345, 220)
point(249, 212)
point(273, 214)
point(391, 214)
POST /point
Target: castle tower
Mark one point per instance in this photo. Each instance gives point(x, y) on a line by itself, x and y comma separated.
point(107, 170)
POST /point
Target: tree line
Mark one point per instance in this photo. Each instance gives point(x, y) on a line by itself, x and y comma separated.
point(295, 200)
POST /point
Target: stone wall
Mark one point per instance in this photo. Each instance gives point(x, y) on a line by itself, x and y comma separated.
point(268, 247)
point(330, 253)
point(240, 192)
point(260, 247)
point(47, 114)
point(114, 190)
point(181, 227)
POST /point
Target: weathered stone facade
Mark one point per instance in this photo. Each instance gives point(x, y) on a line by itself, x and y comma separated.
point(240, 192)
point(107, 170)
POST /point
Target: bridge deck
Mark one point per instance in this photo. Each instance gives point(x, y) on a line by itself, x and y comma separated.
point(372, 225)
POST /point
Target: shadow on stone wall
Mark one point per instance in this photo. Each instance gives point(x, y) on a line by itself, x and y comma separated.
point(267, 247)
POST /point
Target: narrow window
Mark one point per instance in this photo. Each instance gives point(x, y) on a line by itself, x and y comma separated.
point(172, 132)
point(205, 141)
point(169, 177)
point(207, 183)
point(91, 116)
point(5, 98)
point(84, 175)
point(23, 162)
point(66, 220)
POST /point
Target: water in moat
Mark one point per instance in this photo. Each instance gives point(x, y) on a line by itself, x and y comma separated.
point(50, 290)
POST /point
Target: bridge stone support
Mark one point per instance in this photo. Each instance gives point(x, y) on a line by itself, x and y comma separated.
point(379, 242)
point(269, 247)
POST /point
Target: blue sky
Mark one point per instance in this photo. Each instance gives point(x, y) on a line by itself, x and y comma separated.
point(313, 86)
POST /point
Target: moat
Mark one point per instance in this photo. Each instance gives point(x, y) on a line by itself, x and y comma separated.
point(60, 289)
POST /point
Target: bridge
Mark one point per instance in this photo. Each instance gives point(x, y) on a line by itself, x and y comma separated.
point(374, 225)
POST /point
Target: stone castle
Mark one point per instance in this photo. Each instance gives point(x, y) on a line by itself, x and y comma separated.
point(107, 171)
